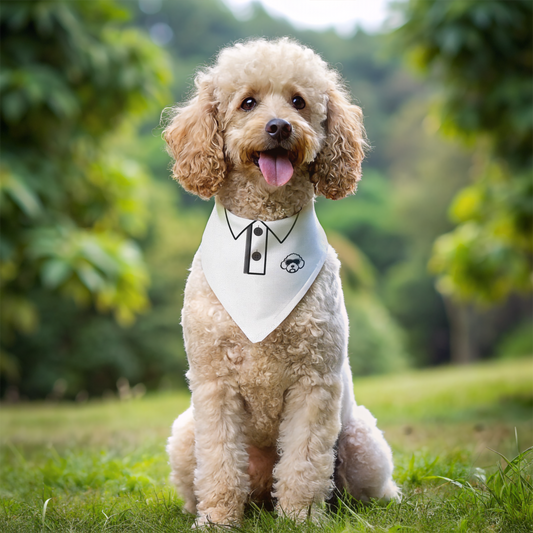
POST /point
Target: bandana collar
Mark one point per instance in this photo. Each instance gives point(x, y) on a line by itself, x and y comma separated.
point(260, 270)
point(279, 228)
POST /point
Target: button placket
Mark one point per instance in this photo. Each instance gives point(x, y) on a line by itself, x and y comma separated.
point(257, 239)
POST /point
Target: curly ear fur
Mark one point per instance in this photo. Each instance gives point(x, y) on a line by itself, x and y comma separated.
point(196, 143)
point(337, 168)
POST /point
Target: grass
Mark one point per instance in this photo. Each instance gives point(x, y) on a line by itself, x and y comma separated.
point(460, 438)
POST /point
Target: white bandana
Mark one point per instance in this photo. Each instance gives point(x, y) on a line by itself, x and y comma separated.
point(259, 270)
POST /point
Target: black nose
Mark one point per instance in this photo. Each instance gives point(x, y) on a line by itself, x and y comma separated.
point(279, 129)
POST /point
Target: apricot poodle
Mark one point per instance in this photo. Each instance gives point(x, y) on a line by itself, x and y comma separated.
point(273, 416)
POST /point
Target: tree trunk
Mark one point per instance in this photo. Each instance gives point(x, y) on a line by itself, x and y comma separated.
point(463, 345)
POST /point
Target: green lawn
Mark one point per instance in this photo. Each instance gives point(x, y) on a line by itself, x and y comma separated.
point(101, 466)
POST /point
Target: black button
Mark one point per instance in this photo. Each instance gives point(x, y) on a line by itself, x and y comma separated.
point(258, 231)
point(256, 256)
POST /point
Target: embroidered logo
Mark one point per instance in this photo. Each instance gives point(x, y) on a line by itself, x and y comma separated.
point(292, 263)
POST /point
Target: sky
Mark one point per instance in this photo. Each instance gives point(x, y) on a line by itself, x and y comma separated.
point(343, 15)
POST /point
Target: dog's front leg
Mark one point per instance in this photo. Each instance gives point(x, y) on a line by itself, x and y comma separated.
point(308, 431)
point(221, 479)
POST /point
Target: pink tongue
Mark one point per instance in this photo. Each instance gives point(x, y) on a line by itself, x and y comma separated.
point(277, 169)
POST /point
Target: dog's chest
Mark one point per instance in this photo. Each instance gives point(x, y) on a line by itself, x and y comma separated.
point(262, 381)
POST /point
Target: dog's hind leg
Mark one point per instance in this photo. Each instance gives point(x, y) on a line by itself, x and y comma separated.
point(364, 458)
point(180, 450)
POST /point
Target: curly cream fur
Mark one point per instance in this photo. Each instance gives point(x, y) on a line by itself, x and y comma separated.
point(265, 417)
point(337, 169)
point(194, 140)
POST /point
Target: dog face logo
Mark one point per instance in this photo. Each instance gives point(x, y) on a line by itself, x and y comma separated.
point(292, 263)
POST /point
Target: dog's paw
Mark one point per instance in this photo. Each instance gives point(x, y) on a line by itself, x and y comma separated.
point(300, 515)
point(216, 518)
point(391, 492)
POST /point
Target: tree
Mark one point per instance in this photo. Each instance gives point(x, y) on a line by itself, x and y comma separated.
point(71, 204)
point(481, 52)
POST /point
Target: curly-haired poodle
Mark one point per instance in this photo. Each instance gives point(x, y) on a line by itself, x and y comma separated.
point(273, 416)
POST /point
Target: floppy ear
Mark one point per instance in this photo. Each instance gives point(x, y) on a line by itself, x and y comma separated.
point(196, 143)
point(337, 167)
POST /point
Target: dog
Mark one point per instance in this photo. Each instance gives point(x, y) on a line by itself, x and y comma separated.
point(273, 416)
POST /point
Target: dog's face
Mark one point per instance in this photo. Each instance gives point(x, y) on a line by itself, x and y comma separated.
point(272, 131)
point(264, 110)
point(274, 108)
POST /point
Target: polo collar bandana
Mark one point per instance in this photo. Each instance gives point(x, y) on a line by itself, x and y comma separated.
point(259, 270)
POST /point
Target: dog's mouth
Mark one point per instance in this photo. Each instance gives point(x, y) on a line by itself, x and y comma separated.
point(276, 165)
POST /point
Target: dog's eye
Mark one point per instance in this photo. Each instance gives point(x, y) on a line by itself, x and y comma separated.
point(248, 104)
point(298, 102)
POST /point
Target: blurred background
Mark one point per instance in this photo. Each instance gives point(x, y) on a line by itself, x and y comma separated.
point(96, 238)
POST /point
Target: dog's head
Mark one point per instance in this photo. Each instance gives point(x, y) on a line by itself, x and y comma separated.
point(265, 109)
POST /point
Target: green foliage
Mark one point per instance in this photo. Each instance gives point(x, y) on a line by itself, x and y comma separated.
point(511, 488)
point(412, 300)
point(488, 255)
point(71, 204)
point(91, 352)
point(507, 494)
point(477, 265)
point(368, 220)
point(376, 343)
point(425, 174)
point(481, 52)
point(518, 342)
